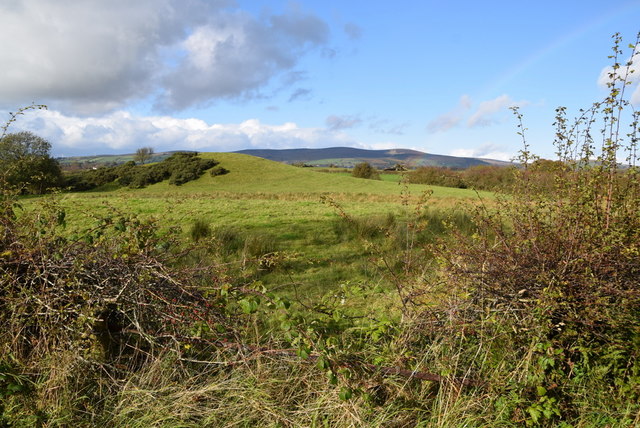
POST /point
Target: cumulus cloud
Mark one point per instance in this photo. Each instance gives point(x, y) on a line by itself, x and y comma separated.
point(92, 57)
point(485, 151)
point(335, 123)
point(237, 55)
point(122, 132)
point(452, 118)
point(485, 114)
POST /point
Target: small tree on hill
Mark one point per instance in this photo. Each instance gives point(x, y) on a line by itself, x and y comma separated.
point(143, 154)
point(365, 170)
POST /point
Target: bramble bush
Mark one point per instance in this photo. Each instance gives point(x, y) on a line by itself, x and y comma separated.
point(552, 272)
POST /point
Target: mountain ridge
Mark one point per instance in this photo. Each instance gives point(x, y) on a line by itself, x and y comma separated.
point(345, 157)
point(350, 156)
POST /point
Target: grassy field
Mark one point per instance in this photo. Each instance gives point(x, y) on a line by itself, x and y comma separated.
point(290, 209)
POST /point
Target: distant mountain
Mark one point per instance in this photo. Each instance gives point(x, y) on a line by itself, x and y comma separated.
point(344, 157)
point(348, 157)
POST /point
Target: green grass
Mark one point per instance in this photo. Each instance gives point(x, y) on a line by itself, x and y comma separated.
point(259, 197)
point(261, 178)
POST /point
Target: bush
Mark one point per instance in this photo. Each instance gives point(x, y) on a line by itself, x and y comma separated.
point(179, 168)
point(218, 170)
point(365, 170)
point(229, 240)
point(80, 312)
point(436, 176)
point(259, 244)
point(487, 177)
point(552, 273)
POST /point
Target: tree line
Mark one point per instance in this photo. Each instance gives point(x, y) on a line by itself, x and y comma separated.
point(27, 165)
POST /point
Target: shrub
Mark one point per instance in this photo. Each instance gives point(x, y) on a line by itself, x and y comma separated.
point(348, 227)
point(258, 245)
point(79, 312)
point(436, 176)
point(179, 168)
point(556, 265)
point(488, 177)
point(218, 170)
point(365, 170)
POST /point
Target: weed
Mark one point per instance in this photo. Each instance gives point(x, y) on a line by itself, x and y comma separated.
point(257, 245)
point(200, 229)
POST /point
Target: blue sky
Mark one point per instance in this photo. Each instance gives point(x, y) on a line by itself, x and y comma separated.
point(219, 75)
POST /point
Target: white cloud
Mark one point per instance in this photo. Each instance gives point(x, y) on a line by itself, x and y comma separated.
point(122, 132)
point(452, 118)
point(487, 110)
point(95, 56)
point(484, 151)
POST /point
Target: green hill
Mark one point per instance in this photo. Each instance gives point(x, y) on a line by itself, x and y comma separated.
point(256, 177)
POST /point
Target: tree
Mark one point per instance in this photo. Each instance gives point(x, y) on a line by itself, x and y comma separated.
point(143, 154)
point(365, 170)
point(25, 163)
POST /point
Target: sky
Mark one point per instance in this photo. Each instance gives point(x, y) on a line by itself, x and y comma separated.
point(223, 75)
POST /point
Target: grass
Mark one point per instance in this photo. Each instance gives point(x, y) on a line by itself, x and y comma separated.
point(261, 198)
point(252, 178)
point(323, 261)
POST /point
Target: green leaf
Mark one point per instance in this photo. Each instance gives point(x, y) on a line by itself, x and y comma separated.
point(323, 364)
point(285, 325)
point(303, 352)
point(535, 414)
point(248, 306)
point(345, 393)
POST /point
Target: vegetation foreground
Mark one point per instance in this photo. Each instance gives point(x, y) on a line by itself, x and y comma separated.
point(275, 296)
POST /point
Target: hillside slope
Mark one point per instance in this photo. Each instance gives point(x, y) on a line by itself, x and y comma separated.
point(348, 157)
point(252, 176)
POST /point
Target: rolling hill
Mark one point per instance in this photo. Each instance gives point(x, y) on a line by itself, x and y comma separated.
point(349, 156)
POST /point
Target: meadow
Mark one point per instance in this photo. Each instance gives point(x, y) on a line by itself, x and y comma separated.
point(290, 210)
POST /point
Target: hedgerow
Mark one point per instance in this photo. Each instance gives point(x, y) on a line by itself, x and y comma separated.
point(179, 168)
